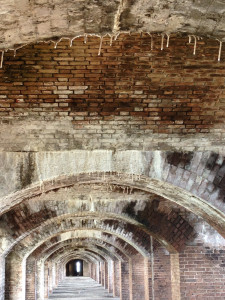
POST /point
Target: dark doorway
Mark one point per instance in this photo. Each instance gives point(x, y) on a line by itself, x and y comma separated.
point(74, 268)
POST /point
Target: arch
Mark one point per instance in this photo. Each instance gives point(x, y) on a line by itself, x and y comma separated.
point(103, 252)
point(177, 195)
point(50, 250)
point(67, 256)
point(84, 256)
point(139, 248)
point(78, 224)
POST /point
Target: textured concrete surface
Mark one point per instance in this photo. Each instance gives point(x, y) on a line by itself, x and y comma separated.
point(44, 19)
point(80, 288)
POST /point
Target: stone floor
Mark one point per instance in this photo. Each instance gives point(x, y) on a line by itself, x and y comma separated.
point(80, 288)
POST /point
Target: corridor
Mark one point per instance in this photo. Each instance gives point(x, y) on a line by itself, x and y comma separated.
point(80, 288)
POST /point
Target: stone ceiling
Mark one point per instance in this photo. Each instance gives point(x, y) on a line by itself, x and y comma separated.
point(35, 20)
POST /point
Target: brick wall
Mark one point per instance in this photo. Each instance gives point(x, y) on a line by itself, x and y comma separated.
point(202, 273)
point(71, 98)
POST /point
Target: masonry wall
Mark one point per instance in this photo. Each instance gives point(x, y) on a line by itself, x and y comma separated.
point(129, 96)
point(202, 275)
point(202, 272)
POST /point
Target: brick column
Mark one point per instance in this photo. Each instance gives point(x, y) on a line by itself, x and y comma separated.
point(116, 279)
point(15, 277)
point(162, 274)
point(124, 278)
point(110, 276)
point(98, 272)
point(30, 278)
point(102, 274)
point(46, 281)
point(138, 282)
point(91, 270)
point(175, 276)
point(50, 279)
point(2, 278)
point(146, 278)
point(40, 284)
point(94, 271)
point(54, 275)
point(106, 275)
point(130, 279)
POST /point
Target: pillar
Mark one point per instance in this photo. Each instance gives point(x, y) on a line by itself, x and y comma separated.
point(130, 279)
point(146, 278)
point(15, 277)
point(138, 280)
point(106, 275)
point(46, 280)
point(102, 274)
point(2, 277)
point(31, 278)
point(124, 278)
point(116, 279)
point(110, 276)
point(175, 276)
point(40, 283)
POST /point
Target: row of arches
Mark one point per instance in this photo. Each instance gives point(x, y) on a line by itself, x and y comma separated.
point(102, 220)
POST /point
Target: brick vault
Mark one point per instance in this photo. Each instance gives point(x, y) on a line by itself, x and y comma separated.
point(112, 147)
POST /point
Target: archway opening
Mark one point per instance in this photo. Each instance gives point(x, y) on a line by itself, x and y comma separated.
point(74, 268)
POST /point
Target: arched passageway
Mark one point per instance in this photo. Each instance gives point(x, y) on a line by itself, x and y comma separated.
point(112, 150)
point(129, 239)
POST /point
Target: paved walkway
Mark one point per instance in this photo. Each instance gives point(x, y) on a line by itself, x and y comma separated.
point(80, 288)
